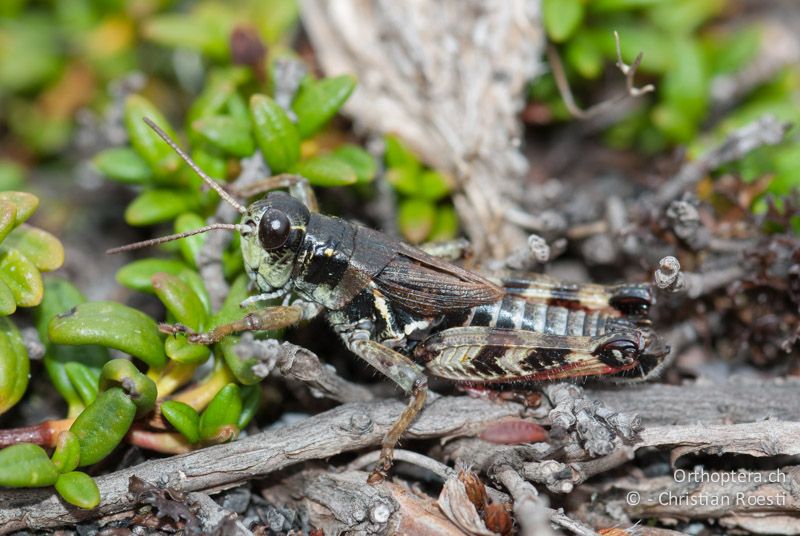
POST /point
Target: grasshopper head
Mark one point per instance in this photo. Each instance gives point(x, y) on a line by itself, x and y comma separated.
point(272, 232)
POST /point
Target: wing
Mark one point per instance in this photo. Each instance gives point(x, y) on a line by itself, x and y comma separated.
point(426, 285)
point(486, 355)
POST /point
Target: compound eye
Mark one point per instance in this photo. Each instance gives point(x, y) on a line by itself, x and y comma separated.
point(273, 229)
point(620, 351)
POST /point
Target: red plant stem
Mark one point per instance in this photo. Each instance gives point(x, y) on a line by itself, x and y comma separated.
point(44, 433)
point(165, 442)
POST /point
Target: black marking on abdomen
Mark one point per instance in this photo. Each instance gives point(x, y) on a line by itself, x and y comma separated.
point(483, 315)
point(506, 316)
point(518, 313)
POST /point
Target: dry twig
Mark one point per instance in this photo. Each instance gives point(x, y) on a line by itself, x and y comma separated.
point(629, 71)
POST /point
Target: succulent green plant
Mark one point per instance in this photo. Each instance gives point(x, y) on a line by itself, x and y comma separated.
point(423, 212)
point(684, 53)
point(122, 394)
point(105, 397)
point(25, 252)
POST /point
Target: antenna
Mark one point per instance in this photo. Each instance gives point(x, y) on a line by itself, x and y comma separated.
point(170, 238)
point(208, 180)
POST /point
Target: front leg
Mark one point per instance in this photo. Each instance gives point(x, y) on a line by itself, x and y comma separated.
point(410, 377)
point(261, 320)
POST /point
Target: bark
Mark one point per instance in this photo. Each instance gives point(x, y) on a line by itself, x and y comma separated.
point(449, 79)
point(665, 411)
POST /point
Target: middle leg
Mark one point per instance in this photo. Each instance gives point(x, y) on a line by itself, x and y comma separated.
point(406, 374)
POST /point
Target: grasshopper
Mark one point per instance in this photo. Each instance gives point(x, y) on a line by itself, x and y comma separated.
point(407, 312)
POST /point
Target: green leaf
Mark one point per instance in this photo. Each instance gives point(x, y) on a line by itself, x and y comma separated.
point(59, 296)
point(212, 162)
point(68, 452)
point(684, 93)
point(84, 380)
point(240, 365)
point(40, 247)
point(415, 219)
point(251, 401)
point(276, 135)
point(399, 156)
point(122, 164)
point(7, 302)
point(180, 300)
point(158, 205)
point(79, 489)
point(187, 308)
point(219, 88)
point(12, 175)
point(275, 20)
point(160, 156)
point(101, 426)
point(318, 101)
point(179, 349)
point(113, 325)
point(32, 53)
point(196, 31)
point(183, 418)
point(196, 283)
point(138, 275)
point(325, 170)
point(237, 108)
point(138, 387)
point(635, 38)
point(562, 18)
point(24, 202)
point(445, 226)
point(14, 365)
point(8, 218)
point(359, 160)
point(218, 421)
point(404, 179)
point(21, 277)
point(685, 16)
point(26, 465)
point(191, 245)
point(230, 310)
point(226, 133)
point(584, 56)
point(433, 185)
point(623, 5)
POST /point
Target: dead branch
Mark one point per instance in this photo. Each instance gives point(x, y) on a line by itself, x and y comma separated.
point(669, 277)
point(665, 409)
point(531, 511)
point(304, 366)
point(629, 71)
point(216, 519)
point(344, 503)
point(736, 401)
point(452, 94)
point(767, 130)
point(743, 499)
point(758, 439)
point(343, 429)
point(779, 47)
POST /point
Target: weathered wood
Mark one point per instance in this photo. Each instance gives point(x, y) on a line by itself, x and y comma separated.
point(708, 403)
point(448, 78)
point(356, 426)
point(343, 429)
